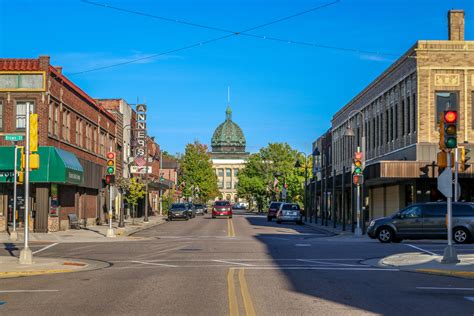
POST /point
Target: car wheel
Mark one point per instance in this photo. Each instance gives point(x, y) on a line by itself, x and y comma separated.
point(300, 222)
point(461, 235)
point(385, 234)
point(269, 218)
point(278, 221)
point(187, 218)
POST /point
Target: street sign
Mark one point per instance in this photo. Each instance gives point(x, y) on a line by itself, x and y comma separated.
point(445, 183)
point(283, 193)
point(13, 137)
point(140, 169)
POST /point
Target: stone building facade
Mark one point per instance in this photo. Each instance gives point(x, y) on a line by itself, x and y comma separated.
point(398, 113)
point(228, 157)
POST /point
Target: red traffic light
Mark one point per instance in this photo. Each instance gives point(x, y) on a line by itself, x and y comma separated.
point(109, 179)
point(358, 155)
point(110, 155)
point(450, 116)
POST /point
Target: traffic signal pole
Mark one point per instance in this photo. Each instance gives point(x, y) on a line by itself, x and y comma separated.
point(456, 170)
point(450, 254)
point(110, 230)
point(26, 256)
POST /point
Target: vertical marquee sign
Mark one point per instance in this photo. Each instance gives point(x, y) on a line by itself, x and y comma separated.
point(141, 130)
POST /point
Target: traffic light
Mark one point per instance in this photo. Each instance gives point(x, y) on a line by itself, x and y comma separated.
point(22, 158)
point(449, 133)
point(110, 163)
point(20, 177)
point(33, 133)
point(464, 158)
point(357, 174)
point(110, 171)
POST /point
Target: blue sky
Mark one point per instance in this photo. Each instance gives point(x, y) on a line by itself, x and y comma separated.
point(280, 92)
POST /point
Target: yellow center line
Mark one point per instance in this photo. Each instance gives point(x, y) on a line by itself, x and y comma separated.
point(248, 304)
point(233, 307)
point(230, 228)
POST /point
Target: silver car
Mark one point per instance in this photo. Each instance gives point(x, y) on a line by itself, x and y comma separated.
point(289, 212)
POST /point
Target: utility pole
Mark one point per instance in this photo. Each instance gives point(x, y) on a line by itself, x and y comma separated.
point(26, 256)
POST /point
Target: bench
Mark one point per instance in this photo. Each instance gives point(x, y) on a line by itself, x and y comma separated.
point(74, 221)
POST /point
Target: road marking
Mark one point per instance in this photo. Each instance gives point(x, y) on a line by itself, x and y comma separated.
point(320, 268)
point(43, 249)
point(445, 288)
point(248, 304)
point(421, 249)
point(469, 298)
point(233, 307)
point(237, 263)
point(330, 263)
point(230, 228)
point(156, 264)
point(302, 245)
point(27, 291)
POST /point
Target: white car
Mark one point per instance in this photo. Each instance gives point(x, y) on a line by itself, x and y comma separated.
point(289, 212)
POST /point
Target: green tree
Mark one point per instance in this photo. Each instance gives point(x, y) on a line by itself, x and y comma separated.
point(197, 173)
point(276, 161)
point(134, 190)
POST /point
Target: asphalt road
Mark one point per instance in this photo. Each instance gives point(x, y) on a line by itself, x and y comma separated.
point(242, 266)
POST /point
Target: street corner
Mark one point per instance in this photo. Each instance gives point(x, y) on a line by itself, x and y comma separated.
point(426, 263)
point(10, 268)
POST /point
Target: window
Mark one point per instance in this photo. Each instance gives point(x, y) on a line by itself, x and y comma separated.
point(64, 123)
point(21, 114)
point(56, 120)
point(50, 119)
point(228, 185)
point(414, 112)
point(236, 172)
point(77, 131)
point(445, 100)
point(88, 136)
point(81, 133)
point(395, 121)
point(102, 144)
point(22, 81)
point(402, 118)
point(1, 116)
point(221, 172)
point(220, 184)
point(68, 126)
point(94, 143)
point(228, 172)
point(411, 212)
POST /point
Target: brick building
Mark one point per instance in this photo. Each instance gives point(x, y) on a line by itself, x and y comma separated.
point(75, 132)
point(399, 113)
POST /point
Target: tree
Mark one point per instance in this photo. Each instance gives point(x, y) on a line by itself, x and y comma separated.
point(197, 173)
point(134, 190)
point(276, 161)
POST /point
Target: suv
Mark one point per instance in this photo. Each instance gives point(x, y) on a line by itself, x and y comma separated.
point(289, 212)
point(222, 208)
point(273, 209)
point(425, 221)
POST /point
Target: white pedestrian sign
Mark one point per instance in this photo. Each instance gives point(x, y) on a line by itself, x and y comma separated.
point(445, 182)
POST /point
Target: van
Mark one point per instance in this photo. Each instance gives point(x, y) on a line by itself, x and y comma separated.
point(425, 221)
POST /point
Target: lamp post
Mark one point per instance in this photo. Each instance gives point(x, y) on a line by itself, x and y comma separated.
point(350, 132)
point(316, 154)
point(298, 165)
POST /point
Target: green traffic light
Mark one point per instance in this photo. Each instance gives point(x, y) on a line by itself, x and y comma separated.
point(110, 170)
point(357, 170)
point(451, 142)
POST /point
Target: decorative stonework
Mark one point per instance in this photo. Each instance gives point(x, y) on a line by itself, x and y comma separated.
point(446, 80)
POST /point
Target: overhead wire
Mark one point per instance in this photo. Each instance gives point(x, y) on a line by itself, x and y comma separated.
point(231, 34)
point(245, 33)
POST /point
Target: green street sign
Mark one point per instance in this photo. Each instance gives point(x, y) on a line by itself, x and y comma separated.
point(14, 138)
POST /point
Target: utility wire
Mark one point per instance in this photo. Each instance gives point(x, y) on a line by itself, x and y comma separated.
point(245, 33)
point(231, 33)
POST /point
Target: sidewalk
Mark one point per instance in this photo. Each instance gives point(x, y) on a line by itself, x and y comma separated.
point(338, 233)
point(425, 263)
point(10, 268)
point(91, 233)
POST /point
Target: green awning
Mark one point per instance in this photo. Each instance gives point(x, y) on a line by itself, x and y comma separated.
point(56, 166)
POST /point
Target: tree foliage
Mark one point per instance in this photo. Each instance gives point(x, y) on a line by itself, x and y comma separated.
point(276, 161)
point(197, 173)
point(134, 190)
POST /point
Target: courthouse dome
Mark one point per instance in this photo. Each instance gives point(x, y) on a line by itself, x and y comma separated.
point(228, 136)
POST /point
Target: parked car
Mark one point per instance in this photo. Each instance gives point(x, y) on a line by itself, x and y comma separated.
point(425, 221)
point(239, 206)
point(273, 209)
point(191, 210)
point(222, 208)
point(289, 212)
point(199, 209)
point(178, 210)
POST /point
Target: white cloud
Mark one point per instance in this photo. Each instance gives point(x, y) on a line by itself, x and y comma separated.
point(375, 57)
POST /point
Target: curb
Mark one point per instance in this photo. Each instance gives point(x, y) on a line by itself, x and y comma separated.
point(15, 274)
point(147, 226)
point(454, 273)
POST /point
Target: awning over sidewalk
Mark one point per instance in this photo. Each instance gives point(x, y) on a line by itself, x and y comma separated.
point(56, 166)
point(164, 185)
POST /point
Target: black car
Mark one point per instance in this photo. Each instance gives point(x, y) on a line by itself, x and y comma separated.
point(178, 210)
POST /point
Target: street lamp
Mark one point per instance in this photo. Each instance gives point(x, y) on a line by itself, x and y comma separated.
point(350, 132)
point(298, 165)
point(315, 154)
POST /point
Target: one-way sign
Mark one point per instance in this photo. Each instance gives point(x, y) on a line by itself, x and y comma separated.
point(445, 183)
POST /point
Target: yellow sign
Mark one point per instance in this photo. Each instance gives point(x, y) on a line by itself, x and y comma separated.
point(33, 133)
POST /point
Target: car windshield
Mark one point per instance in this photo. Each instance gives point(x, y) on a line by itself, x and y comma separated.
point(291, 207)
point(198, 205)
point(178, 206)
point(221, 203)
point(275, 205)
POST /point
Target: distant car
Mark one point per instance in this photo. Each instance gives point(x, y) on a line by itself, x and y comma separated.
point(239, 206)
point(178, 210)
point(199, 209)
point(222, 208)
point(289, 212)
point(273, 209)
point(425, 221)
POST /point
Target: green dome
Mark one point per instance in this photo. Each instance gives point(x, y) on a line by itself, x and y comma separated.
point(228, 136)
